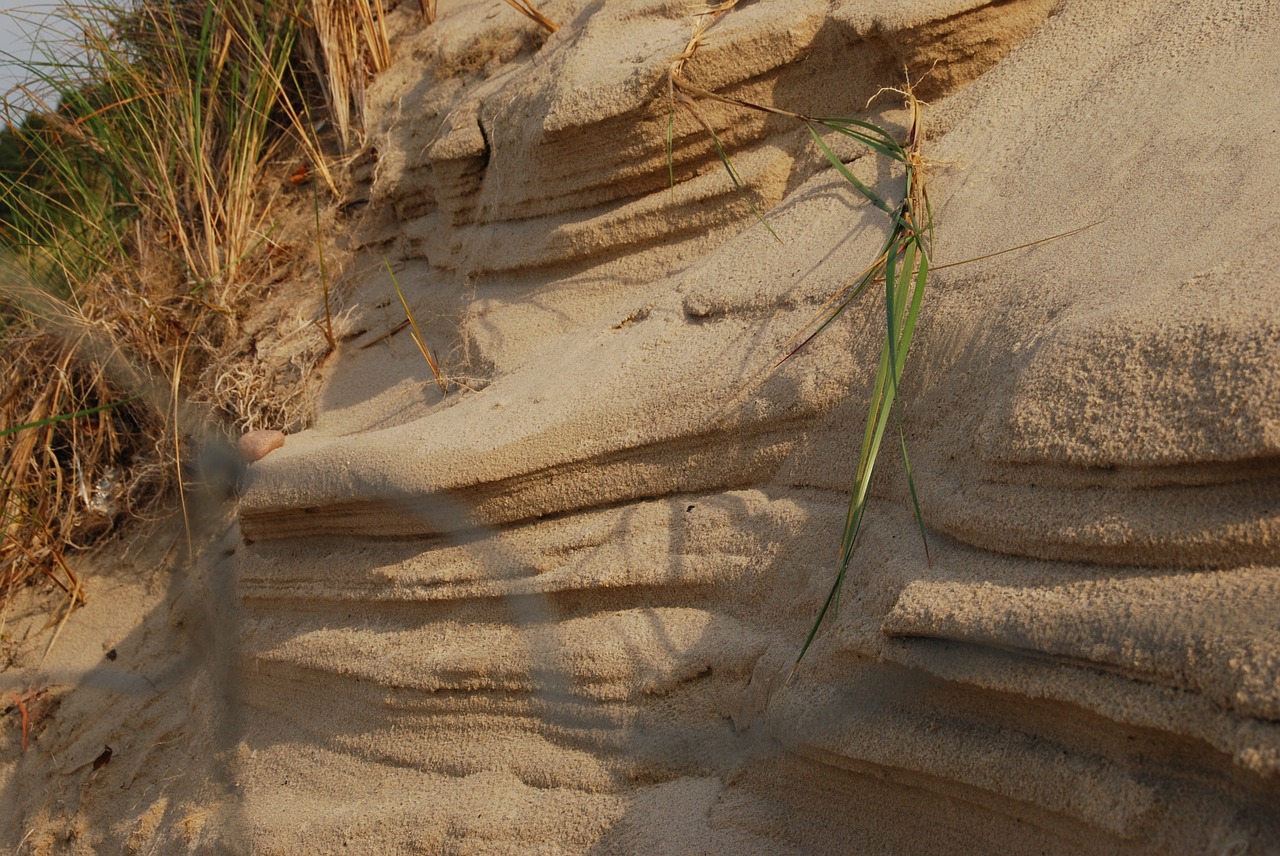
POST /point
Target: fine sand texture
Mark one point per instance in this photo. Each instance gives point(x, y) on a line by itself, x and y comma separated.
point(556, 609)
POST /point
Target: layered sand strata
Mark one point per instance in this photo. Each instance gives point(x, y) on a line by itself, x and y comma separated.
point(557, 614)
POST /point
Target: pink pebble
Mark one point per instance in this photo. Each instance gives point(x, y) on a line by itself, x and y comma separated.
point(256, 445)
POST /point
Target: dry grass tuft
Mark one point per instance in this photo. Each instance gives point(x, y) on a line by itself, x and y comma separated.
point(681, 93)
point(140, 245)
point(83, 447)
point(704, 21)
point(481, 52)
point(346, 44)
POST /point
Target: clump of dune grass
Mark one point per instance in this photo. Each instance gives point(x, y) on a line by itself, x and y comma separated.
point(137, 231)
point(345, 42)
point(902, 267)
point(164, 120)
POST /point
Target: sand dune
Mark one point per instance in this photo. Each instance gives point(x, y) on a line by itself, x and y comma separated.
point(557, 613)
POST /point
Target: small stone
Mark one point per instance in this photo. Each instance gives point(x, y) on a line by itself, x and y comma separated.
point(256, 445)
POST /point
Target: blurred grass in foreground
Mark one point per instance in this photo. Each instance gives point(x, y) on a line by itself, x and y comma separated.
point(136, 233)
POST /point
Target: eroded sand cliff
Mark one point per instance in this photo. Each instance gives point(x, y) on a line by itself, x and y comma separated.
point(558, 614)
point(557, 611)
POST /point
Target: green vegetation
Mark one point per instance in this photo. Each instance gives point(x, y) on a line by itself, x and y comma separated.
point(902, 266)
point(165, 122)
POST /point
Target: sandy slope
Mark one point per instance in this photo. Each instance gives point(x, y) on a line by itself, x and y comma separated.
point(556, 613)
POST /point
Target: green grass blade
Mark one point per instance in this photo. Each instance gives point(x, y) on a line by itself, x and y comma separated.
point(895, 295)
point(840, 122)
point(895, 152)
point(911, 488)
point(913, 314)
point(881, 402)
point(737, 182)
point(63, 417)
point(891, 306)
point(813, 631)
point(883, 397)
point(908, 330)
point(870, 194)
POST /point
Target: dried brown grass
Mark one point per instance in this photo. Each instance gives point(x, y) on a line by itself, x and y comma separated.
point(533, 13)
point(345, 45)
point(67, 482)
point(161, 337)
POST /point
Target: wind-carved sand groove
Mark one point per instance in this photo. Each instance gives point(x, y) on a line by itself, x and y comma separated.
point(559, 615)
